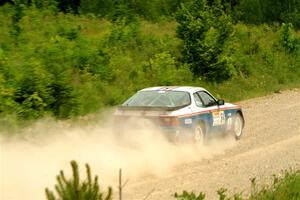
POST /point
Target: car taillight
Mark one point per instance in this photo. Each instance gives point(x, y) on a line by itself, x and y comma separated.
point(169, 121)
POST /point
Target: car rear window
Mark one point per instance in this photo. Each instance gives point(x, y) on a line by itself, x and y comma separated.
point(160, 98)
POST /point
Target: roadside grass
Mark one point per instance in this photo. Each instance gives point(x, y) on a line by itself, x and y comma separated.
point(286, 187)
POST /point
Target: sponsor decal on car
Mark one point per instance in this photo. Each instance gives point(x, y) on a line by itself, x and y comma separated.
point(188, 121)
point(218, 118)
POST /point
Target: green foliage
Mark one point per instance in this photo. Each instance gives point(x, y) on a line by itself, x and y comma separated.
point(288, 40)
point(66, 65)
point(189, 196)
point(116, 9)
point(53, 66)
point(204, 28)
point(249, 11)
point(269, 11)
point(286, 187)
point(162, 70)
point(201, 196)
point(17, 15)
point(76, 189)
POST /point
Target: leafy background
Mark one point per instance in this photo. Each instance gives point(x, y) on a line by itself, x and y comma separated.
point(67, 58)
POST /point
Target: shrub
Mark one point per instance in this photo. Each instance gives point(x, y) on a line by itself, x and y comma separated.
point(189, 196)
point(162, 70)
point(286, 187)
point(289, 42)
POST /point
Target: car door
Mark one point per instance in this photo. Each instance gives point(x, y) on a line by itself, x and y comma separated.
point(216, 117)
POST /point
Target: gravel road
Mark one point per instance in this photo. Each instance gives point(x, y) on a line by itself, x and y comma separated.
point(270, 144)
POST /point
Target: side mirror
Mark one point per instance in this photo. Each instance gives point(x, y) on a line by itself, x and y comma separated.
point(221, 102)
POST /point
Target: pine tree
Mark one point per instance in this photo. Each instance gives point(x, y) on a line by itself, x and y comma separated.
point(74, 189)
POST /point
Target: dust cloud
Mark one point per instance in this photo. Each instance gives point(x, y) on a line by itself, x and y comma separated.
point(30, 161)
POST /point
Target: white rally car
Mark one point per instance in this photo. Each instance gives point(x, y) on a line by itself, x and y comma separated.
point(183, 110)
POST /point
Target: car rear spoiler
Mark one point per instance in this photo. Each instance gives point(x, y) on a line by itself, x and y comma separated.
point(150, 108)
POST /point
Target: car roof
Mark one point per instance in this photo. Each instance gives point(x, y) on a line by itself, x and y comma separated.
point(175, 88)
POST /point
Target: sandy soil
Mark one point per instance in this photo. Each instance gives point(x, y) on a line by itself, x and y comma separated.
point(270, 144)
point(30, 161)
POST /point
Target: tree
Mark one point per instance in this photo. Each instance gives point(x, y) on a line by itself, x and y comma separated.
point(204, 27)
point(269, 11)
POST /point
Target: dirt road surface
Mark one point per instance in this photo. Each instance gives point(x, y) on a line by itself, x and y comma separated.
point(270, 144)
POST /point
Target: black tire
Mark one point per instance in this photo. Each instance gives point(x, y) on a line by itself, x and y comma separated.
point(237, 126)
point(199, 134)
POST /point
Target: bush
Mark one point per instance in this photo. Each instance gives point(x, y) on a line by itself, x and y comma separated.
point(288, 41)
point(162, 70)
point(189, 196)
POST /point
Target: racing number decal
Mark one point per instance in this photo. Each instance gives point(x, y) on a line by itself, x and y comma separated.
point(218, 118)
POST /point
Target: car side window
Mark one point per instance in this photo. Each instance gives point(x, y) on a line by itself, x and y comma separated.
point(207, 99)
point(198, 101)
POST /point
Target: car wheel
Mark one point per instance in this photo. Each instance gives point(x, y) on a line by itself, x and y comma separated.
point(199, 134)
point(238, 124)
